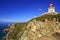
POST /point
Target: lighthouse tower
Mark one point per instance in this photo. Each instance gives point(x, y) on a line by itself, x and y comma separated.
point(51, 9)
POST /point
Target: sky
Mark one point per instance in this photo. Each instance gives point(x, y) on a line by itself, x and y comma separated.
point(24, 10)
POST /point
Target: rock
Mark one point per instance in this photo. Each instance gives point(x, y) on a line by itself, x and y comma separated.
point(6, 30)
point(47, 38)
point(37, 30)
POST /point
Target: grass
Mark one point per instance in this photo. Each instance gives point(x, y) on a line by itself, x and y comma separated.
point(20, 26)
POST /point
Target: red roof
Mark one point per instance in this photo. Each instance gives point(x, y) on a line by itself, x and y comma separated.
point(51, 5)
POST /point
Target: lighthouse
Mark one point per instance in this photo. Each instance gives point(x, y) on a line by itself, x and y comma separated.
point(51, 9)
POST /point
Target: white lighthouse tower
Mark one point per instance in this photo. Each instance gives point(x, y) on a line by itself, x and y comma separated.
point(51, 9)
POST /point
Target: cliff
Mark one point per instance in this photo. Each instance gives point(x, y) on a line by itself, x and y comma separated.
point(44, 27)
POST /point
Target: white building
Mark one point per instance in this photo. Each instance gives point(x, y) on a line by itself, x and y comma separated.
point(51, 9)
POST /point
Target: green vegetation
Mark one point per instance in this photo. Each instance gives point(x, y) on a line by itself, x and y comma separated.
point(49, 17)
point(21, 26)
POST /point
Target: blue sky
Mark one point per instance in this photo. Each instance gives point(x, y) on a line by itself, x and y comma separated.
point(24, 10)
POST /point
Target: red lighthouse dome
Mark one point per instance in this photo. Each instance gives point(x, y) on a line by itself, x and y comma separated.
point(51, 5)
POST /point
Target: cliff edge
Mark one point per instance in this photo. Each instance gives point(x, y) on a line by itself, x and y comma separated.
point(45, 27)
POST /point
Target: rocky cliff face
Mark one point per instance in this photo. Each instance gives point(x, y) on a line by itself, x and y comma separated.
point(36, 29)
